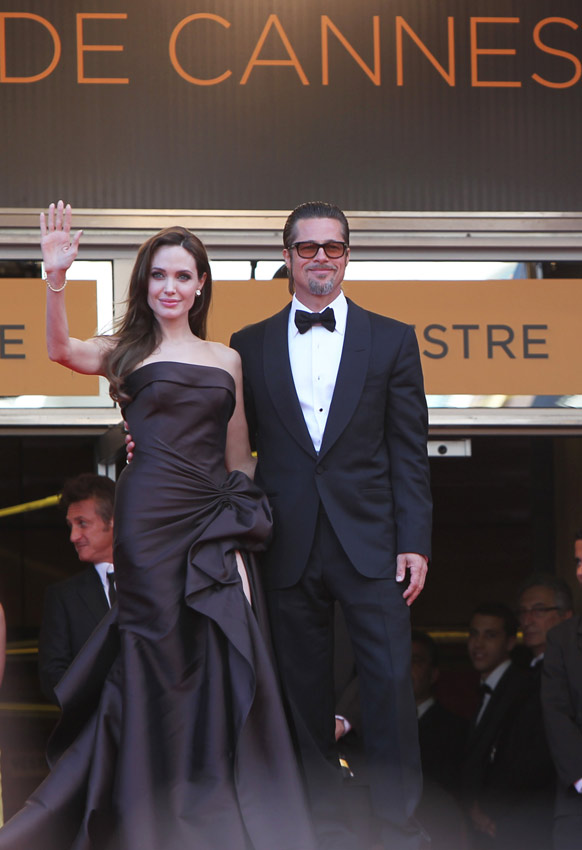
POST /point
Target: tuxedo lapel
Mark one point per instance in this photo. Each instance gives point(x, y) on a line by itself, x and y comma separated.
point(351, 375)
point(503, 696)
point(279, 379)
point(92, 594)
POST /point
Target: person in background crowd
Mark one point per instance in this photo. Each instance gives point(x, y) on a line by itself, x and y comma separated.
point(2, 667)
point(562, 704)
point(2, 643)
point(503, 687)
point(441, 733)
point(74, 607)
point(544, 600)
point(578, 556)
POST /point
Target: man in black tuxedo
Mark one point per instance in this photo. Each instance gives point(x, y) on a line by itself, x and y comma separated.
point(75, 606)
point(503, 689)
point(336, 410)
point(441, 733)
point(562, 704)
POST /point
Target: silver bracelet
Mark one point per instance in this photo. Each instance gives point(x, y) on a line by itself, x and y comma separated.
point(52, 288)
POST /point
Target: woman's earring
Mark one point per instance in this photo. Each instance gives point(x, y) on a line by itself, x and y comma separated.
point(198, 292)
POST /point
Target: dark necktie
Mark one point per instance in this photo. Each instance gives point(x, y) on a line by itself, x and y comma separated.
point(305, 320)
point(112, 592)
point(484, 689)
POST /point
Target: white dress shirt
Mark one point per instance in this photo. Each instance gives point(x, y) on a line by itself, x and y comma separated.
point(315, 357)
point(102, 569)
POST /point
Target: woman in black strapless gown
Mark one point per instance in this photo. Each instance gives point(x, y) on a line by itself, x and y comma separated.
point(172, 735)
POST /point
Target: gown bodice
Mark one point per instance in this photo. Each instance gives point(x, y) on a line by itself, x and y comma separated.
point(176, 505)
point(180, 410)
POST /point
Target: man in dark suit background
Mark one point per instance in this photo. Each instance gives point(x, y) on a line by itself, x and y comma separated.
point(562, 704)
point(543, 600)
point(520, 778)
point(75, 606)
point(441, 733)
point(503, 688)
point(337, 413)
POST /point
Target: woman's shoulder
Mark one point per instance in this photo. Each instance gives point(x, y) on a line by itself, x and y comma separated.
point(227, 358)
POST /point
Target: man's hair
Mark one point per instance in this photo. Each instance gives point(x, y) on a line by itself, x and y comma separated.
point(89, 486)
point(563, 598)
point(578, 535)
point(502, 612)
point(314, 209)
point(429, 644)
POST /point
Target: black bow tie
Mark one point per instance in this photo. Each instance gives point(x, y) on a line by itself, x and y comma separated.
point(305, 320)
point(484, 690)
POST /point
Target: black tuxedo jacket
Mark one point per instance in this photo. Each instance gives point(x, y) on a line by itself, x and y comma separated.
point(371, 475)
point(483, 738)
point(522, 764)
point(562, 704)
point(441, 736)
point(72, 610)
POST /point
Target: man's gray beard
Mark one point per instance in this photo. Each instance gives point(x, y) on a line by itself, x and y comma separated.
point(317, 288)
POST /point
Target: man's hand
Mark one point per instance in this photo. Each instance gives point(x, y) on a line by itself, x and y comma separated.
point(129, 444)
point(418, 566)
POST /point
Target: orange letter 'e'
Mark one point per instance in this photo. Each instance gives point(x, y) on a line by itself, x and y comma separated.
point(475, 52)
point(56, 42)
point(93, 48)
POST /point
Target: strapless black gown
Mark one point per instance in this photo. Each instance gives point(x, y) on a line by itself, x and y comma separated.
point(173, 736)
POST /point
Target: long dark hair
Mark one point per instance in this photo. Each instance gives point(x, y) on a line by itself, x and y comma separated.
point(139, 332)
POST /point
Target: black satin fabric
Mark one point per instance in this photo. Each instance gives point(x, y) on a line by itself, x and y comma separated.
point(173, 735)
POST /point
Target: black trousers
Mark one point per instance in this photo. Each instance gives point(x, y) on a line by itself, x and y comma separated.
point(378, 624)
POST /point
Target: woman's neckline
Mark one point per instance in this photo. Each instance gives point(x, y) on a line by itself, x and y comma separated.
point(180, 363)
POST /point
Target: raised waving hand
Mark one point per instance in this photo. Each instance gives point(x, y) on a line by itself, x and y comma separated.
point(59, 250)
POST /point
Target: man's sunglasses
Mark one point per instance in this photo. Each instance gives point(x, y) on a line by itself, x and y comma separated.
point(308, 250)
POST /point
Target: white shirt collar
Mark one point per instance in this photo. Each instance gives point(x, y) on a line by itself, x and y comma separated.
point(493, 678)
point(339, 306)
point(423, 707)
point(102, 569)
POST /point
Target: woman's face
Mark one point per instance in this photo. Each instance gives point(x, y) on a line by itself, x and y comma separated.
point(172, 284)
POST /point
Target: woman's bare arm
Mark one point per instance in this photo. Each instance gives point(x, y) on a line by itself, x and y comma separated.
point(59, 251)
